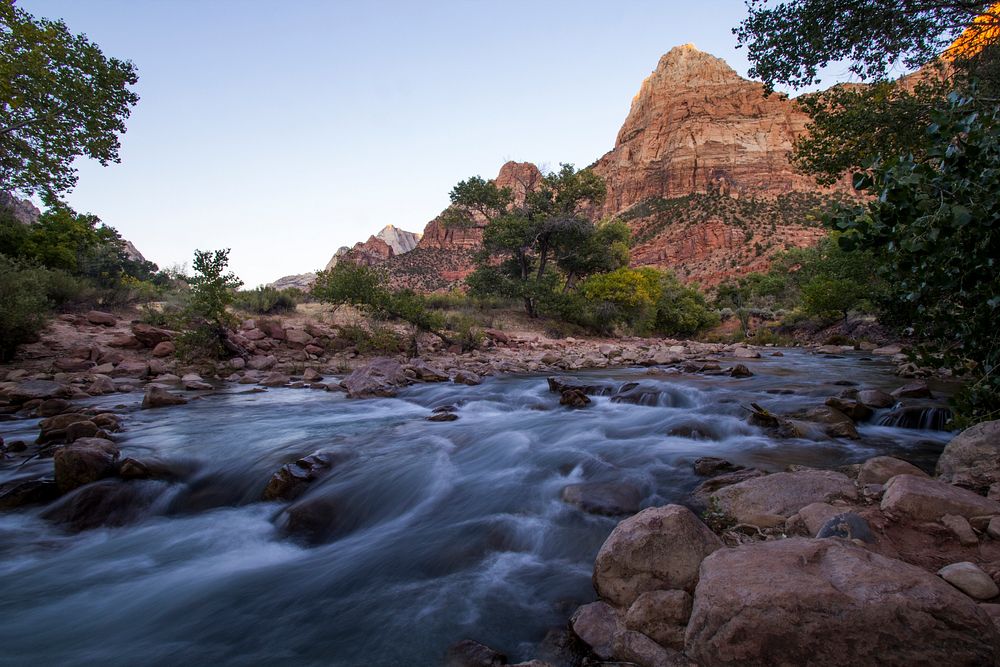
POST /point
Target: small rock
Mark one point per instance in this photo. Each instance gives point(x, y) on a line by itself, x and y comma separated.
point(158, 397)
point(740, 371)
point(917, 389)
point(467, 377)
point(960, 527)
point(662, 616)
point(311, 375)
point(164, 349)
point(53, 407)
point(86, 460)
point(746, 353)
point(875, 398)
point(970, 579)
point(574, 398)
point(275, 380)
point(881, 469)
point(101, 318)
point(707, 466)
point(293, 478)
point(443, 417)
point(597, 624)
point(608, 499)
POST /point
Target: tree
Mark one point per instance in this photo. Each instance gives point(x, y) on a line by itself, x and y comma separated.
point(60, 98)
point(934, 223)
point(207, 320)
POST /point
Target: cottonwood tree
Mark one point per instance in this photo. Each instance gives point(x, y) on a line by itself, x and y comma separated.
point(60, 98)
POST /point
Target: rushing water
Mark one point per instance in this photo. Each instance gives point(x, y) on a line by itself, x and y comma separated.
point(444, 531)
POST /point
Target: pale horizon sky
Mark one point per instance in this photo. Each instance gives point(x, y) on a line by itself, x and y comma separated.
point(286, 130)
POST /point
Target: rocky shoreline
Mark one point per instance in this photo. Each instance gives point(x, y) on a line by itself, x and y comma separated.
point(876, 562)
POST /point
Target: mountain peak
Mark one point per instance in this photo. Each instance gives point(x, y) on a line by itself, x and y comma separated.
point(687, 64)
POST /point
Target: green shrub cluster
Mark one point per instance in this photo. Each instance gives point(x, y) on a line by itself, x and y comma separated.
point(268, 300)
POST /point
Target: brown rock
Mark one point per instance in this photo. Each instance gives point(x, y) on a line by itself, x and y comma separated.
point(925, 499)
point(73, 365)
point(608, 499)
point(972, 458)
point(380, 377)
point(137, 370)
point(293, 478)
point(970, 579)
point(158, 397)
point(86, 460)
point(101, 318)
point(881, 469)
point(829, 602)
point(275, 380)
point(164, 349)
point(597, 624)
point(960, 528)
point(468, 653)
point(30, 390)
point(467, 378)
point(149, 335)
point(659, 548)
point(28, 492)
point(918, 389)
point(874, 398)
point(53, 407)
point(662, 616)
point(782, 494)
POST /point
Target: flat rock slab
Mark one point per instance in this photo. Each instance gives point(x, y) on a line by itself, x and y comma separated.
point(782, 494)
point(926, 499)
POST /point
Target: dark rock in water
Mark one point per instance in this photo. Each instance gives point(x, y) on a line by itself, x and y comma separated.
point(110, 502)
point(875, 398)
point(636, 394)
point(158, 397)
point(29, 492)
point(779, 353)
point(443, 417)
point(856, 410)
point(708, 466)
point(836, 423)
point(444, 408)
point(692, 431)
point(54, 429)
point(918, 389)
point(561, 647)
point(468, 653)
point(86, 460)
point(293, 478)
point(379, 377)
point(558, 385)
point(608, 499)
point(574, 398)
point(848, 525)
point(740, 371)
point(314, 520)
point(926, 417)
point(53, 407)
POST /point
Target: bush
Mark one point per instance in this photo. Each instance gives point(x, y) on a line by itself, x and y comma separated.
point(23, 304)
point(267, 300)
point(379, 339)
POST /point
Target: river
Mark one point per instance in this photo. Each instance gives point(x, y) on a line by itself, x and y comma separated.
point(442, 531)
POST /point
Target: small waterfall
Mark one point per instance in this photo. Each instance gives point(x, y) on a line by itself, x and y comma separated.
point(923, 417)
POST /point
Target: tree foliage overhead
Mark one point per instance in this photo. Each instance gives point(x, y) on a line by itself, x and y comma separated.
point(788, 43)
point(60, 98)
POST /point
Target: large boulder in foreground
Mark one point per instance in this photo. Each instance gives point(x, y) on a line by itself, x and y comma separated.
point(828, 602)
point(660, 548)
point(972, 458)
point(760, 500)
point(379, 377)
point(86, 460)
point(926, 499)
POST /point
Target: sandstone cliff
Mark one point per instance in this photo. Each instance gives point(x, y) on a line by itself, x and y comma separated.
point(399, 240)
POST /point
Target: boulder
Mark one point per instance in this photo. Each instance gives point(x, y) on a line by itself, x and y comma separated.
point(836, 423)
point(829, 602)
point(918, 389)
point(574, 398)
point(702, 494)
point(137, 370)
point(164, 349)
point(881, 469)
point(102, 384)
point(108, 502)
point(101, 318)
point(875, 398)
point(53, 429)
point(158, 397)
point(275, 379)
point(993, 528)
point(782, 494)
point(660, 548)
point(261, 362)
point(970, 579)
point(379, 377)
point(426, 372)
point(662, 616)
point(926, 499)
point(311, 375)
point(84, 461)
point(28, 492)
point(467, 378)
point(73, 365)
point(52, 407)
point(709, 466)
point(961, 529)
point(746, 353)
point(298, 336)
point(609, 499)
point(972, 458)
point(149, 335)
point(854, 409)
point(740, 371)
point(635, 648)
point(597, 624)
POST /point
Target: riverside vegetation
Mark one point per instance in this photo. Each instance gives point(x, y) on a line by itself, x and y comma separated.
point(384, 457)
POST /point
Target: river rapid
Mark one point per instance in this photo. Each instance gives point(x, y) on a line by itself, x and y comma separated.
point(444, 531)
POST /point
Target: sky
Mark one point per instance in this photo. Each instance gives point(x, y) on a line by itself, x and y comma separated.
point(284, 130)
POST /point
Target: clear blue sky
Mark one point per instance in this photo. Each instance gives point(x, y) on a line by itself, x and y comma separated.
point(287, 129)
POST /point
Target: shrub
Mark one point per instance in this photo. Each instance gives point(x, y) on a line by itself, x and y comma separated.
point(267, 300)
point(23, 303)
point(379, 339)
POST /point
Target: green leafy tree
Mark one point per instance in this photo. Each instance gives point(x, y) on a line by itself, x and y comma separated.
point(933, 223)
point(23, 303)
point(206, 318)
point(61, 98)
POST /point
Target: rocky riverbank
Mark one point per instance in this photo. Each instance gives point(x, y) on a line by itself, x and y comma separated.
point(756, 567)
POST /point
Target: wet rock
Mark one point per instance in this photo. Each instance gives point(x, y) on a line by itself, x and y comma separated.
point(28, 492)
point(30, 390)
point(970, 579)
point(708, 466)
point(84, 461)
point(881, 469)
point(878, 610)
point(961, 529)
point(836, 423)
point(426, 372)
point(740, 371)
point(746, 353)
point(636, 394)
point(380, 377)
point(662, 616)
point(782, 494)
point(158, 397)
point(701, 495)
point(101, 318)
point(292, 479)
point(108, 502)
point(925, 499)
point(608, 499)
point(972, 458)
point(164, 349)
point(149, 335)
point(261, 362)
point(875, 398)
point(597, 624)
point(659, 548)
point(275, 380)
point(468, 653)
point(102, 384)
point(918, 389)
point(311, 375)
point(444, 416)
point(53, 429)
point(83, 429)
point(53, 407)
point(926, 417)
point(574, 398)
point(854, 409)
point(558, 385)
point(467, 378)
point(848, 526)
